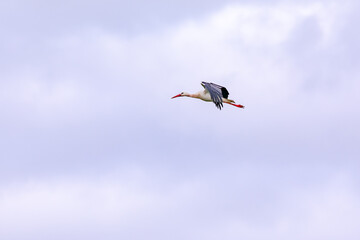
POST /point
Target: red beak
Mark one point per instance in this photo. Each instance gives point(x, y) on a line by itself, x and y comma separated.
point(179, 95)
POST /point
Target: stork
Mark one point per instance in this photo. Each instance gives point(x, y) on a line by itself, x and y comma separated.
point(212, 93)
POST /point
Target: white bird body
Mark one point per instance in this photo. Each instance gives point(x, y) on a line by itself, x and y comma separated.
point(212, 93)
point(205, 96)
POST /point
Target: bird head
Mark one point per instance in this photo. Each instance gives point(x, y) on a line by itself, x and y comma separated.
point(183, 94)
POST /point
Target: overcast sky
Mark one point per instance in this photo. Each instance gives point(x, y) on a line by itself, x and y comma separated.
point(92, 146)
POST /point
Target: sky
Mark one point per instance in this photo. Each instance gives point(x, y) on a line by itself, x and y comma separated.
point(92, 146)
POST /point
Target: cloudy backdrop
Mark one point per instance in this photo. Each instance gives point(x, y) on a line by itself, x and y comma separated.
point(92, 146)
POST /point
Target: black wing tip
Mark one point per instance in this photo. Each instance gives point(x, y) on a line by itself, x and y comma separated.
point(224, 92)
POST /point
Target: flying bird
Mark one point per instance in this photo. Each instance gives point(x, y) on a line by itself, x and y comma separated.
point(212, 93)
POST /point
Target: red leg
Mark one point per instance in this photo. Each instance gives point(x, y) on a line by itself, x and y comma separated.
point(236, 105)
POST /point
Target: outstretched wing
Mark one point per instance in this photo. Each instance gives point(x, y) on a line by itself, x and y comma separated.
point(217, 92)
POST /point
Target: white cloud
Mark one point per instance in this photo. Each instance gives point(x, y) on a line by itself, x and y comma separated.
point(106, 205)
point(257, 51)
point(241, 46)
point(135, 204)
point(116, 91)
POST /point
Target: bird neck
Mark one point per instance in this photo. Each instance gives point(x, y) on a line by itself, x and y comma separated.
point(194, 95)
